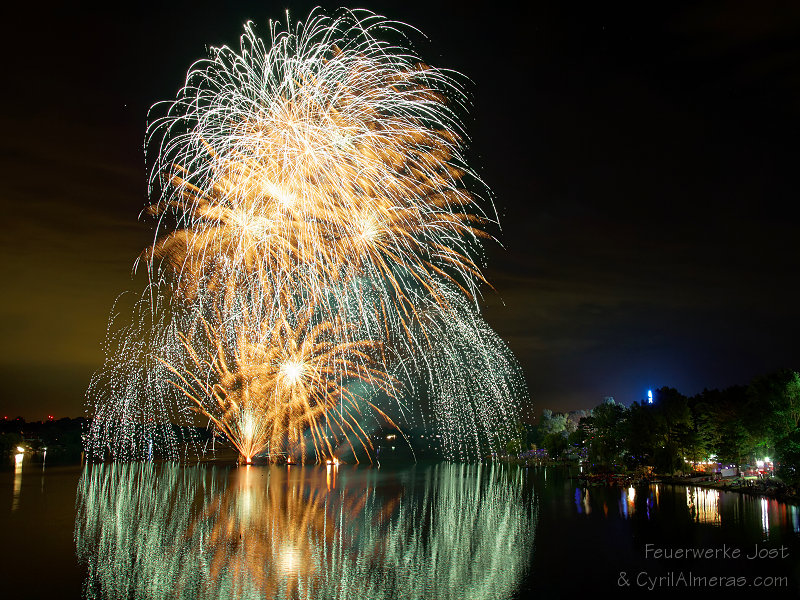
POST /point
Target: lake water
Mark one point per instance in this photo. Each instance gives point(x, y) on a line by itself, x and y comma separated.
point(432, 531)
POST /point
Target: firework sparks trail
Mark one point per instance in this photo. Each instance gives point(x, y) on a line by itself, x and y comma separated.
point(275, 378)
point(328, 155)
point(318, 231)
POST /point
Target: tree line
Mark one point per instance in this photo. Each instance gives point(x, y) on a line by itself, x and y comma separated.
point(61, 437)
point(736, 426)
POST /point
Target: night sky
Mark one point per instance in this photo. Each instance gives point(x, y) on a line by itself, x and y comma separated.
point(642, 157)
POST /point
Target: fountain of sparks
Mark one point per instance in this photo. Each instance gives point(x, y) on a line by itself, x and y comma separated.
point(316, 266)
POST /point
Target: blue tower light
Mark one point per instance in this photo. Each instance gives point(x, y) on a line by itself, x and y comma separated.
point(649, 396)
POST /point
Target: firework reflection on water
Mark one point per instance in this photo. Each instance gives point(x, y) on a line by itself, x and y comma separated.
point(447, 531)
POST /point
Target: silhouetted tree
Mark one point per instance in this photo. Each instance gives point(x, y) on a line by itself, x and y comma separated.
point(556, 444)
point(607, 427)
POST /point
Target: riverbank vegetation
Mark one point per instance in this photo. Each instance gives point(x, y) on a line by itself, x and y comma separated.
point(739, 426)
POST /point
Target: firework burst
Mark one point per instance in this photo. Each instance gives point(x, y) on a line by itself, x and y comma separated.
point(329, 155)
point(263, 384)
point(318, 233)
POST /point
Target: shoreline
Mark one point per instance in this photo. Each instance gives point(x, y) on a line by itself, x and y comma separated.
point(737, 485)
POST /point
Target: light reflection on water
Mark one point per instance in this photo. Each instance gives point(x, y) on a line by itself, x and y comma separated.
point(703, 505)
point(706, 506)
point(795, 510)
point(445, 531)
point(18, 458)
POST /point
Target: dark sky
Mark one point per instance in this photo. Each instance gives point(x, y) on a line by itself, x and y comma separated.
point(643, 157)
